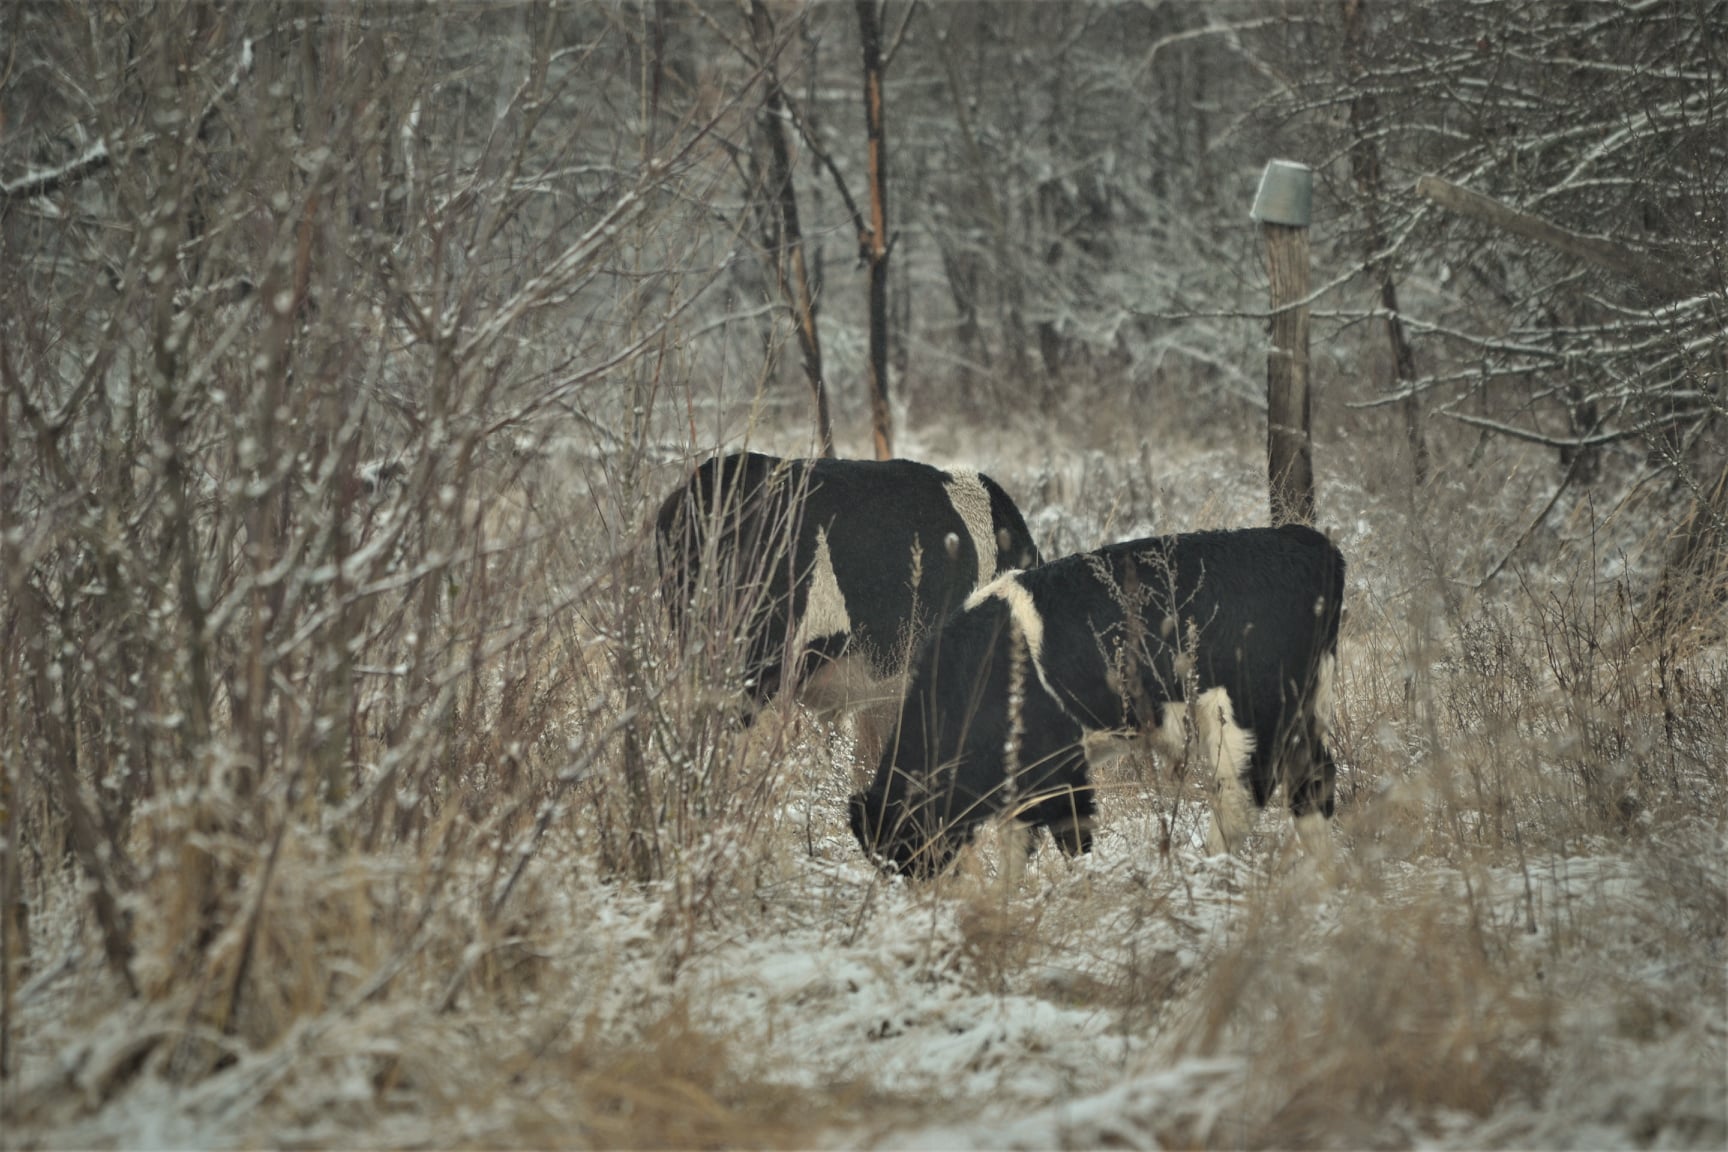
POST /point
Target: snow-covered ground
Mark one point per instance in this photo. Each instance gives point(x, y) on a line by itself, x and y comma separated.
point(1071, 1004)
point(1483, 968)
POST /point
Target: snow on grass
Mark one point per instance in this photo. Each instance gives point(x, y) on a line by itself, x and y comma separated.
point(1493, 963)
point(1054, 1004)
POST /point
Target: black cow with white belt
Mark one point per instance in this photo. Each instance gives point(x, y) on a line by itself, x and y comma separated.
point(1221, 646)
point(828, 571)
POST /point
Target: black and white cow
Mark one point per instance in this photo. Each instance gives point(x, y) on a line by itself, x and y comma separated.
point(1220, 645)
point(830, 570)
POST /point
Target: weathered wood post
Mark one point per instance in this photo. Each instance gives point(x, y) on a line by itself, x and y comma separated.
point(1283, 208)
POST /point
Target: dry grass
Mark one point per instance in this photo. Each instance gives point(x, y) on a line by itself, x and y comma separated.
point(342, 819)
point(1531, 811)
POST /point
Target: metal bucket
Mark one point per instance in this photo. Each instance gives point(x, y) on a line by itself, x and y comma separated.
point(1286, 194)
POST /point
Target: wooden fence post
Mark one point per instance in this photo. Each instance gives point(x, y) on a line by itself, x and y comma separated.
point(1282, 208)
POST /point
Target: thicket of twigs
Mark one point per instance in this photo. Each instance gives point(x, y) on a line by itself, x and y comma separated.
point(343, 354)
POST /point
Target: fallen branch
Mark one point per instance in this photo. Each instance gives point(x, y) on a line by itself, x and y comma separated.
point(1656, 275)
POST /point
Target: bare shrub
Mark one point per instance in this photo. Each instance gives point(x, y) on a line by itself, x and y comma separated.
point(353, 788)
point(278, 710)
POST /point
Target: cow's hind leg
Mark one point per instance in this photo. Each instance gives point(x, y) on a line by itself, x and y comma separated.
point(1313, 781)
point(1069, 817)
point(1225, 748)
point(1312, 790)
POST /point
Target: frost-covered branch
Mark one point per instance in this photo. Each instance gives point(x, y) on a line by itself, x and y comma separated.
point(44, 181)
point(99, 155)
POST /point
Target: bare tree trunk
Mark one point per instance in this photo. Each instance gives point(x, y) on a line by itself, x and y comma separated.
point(14, 913)
point(874, 246)
point(960, 266)
point(1012, 293)
point(641, 836)
point(1365, 168)
point(789, 266)
point(900, 345)
point(654, 72)
point(61, 773)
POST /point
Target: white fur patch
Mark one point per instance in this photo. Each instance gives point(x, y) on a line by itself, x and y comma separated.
point(825, 606)
point(972, 501)
point(1169, 736)
point(1325, 695)
point(1224, 747)
point(1007, 587)
point(1025, 613)
point(1227, 744)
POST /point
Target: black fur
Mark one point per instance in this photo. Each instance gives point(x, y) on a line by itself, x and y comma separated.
point(1262, 606)
point(762, 515)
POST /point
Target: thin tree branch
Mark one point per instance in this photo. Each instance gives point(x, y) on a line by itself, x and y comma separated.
point(1565, 482)
point(821, 153)
point(1547, 441)
point(899, 34)
point(45, 181)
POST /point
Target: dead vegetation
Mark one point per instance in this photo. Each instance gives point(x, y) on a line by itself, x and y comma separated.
point(342, 813)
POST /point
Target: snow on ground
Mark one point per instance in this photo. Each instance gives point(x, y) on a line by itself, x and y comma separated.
point(1434, 992)
point(1051, 1004)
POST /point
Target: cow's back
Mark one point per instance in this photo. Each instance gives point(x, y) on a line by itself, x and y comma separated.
point(901, 552)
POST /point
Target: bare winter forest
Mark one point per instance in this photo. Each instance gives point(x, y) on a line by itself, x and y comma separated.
point(354, 791)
